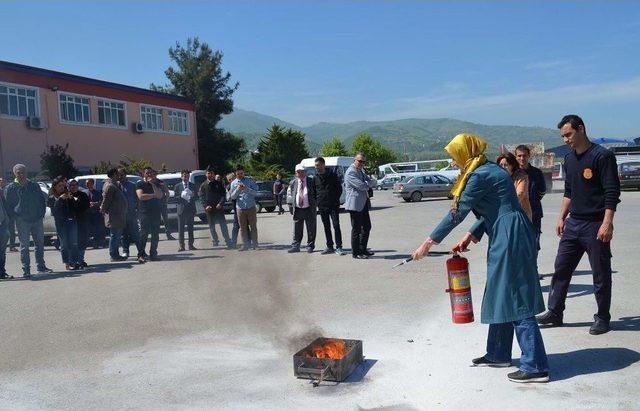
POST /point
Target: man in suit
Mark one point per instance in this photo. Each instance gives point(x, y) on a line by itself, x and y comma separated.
point(185, 192)
point(358, 204)
point(303, 189)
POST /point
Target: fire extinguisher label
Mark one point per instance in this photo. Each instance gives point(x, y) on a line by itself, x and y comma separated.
point(461, 303)
point(459, 280)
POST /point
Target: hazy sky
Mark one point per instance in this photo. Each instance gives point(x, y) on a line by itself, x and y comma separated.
point(523, 63)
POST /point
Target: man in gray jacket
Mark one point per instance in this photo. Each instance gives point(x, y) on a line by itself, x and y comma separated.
point(25, 203)
point(357, 204)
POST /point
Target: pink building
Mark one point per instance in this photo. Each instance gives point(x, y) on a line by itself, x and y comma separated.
point(101, 121)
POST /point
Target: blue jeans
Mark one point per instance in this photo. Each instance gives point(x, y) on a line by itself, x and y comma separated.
point(500, 341)
point(35, 230)
point(115, 239)
point(68, 234)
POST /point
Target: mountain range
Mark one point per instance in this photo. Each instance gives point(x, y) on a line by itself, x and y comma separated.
point(416, 137)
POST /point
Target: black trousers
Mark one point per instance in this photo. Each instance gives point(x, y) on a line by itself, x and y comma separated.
point(149, 226)
point(218, 217)
point(579, 237)
point(186, 218)
point(328, 216)
point(165, 220)
point(301, 217)
point(360, 228)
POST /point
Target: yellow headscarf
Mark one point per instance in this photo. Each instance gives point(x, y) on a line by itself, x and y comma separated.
point(467, 150)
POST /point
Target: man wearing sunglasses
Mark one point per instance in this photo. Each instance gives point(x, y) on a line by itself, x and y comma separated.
point(357, 185)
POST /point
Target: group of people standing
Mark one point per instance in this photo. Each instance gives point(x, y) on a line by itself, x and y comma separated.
point(320, 194)
point(512, 295)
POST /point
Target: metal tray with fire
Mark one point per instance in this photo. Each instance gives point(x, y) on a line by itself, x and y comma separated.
point(328, 359)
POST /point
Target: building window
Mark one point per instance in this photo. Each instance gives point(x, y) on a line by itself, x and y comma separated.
point(178, 122)
point(151, 118)
point(74, 109)
point(18, 101)
point(111, 113)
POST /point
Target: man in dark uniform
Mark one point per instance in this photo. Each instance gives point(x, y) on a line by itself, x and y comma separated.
point(591, 195)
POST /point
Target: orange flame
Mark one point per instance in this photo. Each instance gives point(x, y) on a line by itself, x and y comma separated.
point(332, 348)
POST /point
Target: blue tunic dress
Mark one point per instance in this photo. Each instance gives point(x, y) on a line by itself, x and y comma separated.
point(512, 291)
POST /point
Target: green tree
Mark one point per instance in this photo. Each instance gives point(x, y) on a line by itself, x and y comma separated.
point(199, 76)
point(279, 149)
point(55, 161)
point(333, 148)
point(376, 153)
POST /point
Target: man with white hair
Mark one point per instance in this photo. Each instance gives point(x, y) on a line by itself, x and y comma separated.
point(303, 192)
point(26, 204)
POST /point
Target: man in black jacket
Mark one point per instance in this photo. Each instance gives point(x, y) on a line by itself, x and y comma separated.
point(26, 204)
point(213, 196)
point(328, 192)
point(185, 192)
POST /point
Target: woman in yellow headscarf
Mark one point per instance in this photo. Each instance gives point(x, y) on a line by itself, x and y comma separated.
point(512, 295)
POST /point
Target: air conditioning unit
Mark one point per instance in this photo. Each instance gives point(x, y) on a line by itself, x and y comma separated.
point(34, 122)
point(138, 127)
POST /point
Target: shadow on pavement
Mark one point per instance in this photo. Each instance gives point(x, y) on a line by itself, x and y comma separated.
point(94, 269)
point(575, 273)
point(575, 290)
point(182, 257)
point(623, 324)
point(590, 361)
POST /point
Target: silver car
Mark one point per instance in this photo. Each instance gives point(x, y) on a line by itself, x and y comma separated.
point(416, 187)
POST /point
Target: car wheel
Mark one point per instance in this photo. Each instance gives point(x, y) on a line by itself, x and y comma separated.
point(259, 207)
point(203, 218)
point(379, 188)
point(416, 196)
point(408, 200)
point(270, 209)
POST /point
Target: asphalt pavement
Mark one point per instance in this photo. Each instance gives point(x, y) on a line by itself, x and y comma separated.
point(217, 329)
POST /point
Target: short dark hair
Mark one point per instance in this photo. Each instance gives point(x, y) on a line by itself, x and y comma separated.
point(523, 147)
point(511, 160)
point(572, 119)
point(239, 167)
point(112, 172)
point(122, 170)
point(90, 180)
point(148, 169)
point(319, 159)
point(185, 171)
point(209, 169)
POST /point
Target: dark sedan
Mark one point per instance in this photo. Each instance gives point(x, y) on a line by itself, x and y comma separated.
point(265, 200)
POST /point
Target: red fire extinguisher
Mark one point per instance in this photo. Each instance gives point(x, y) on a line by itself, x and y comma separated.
point(459, 289)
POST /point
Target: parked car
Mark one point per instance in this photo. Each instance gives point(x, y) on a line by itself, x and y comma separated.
point(414, 188)
point(265, 200)
point(387, 182)
point(629, 173)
